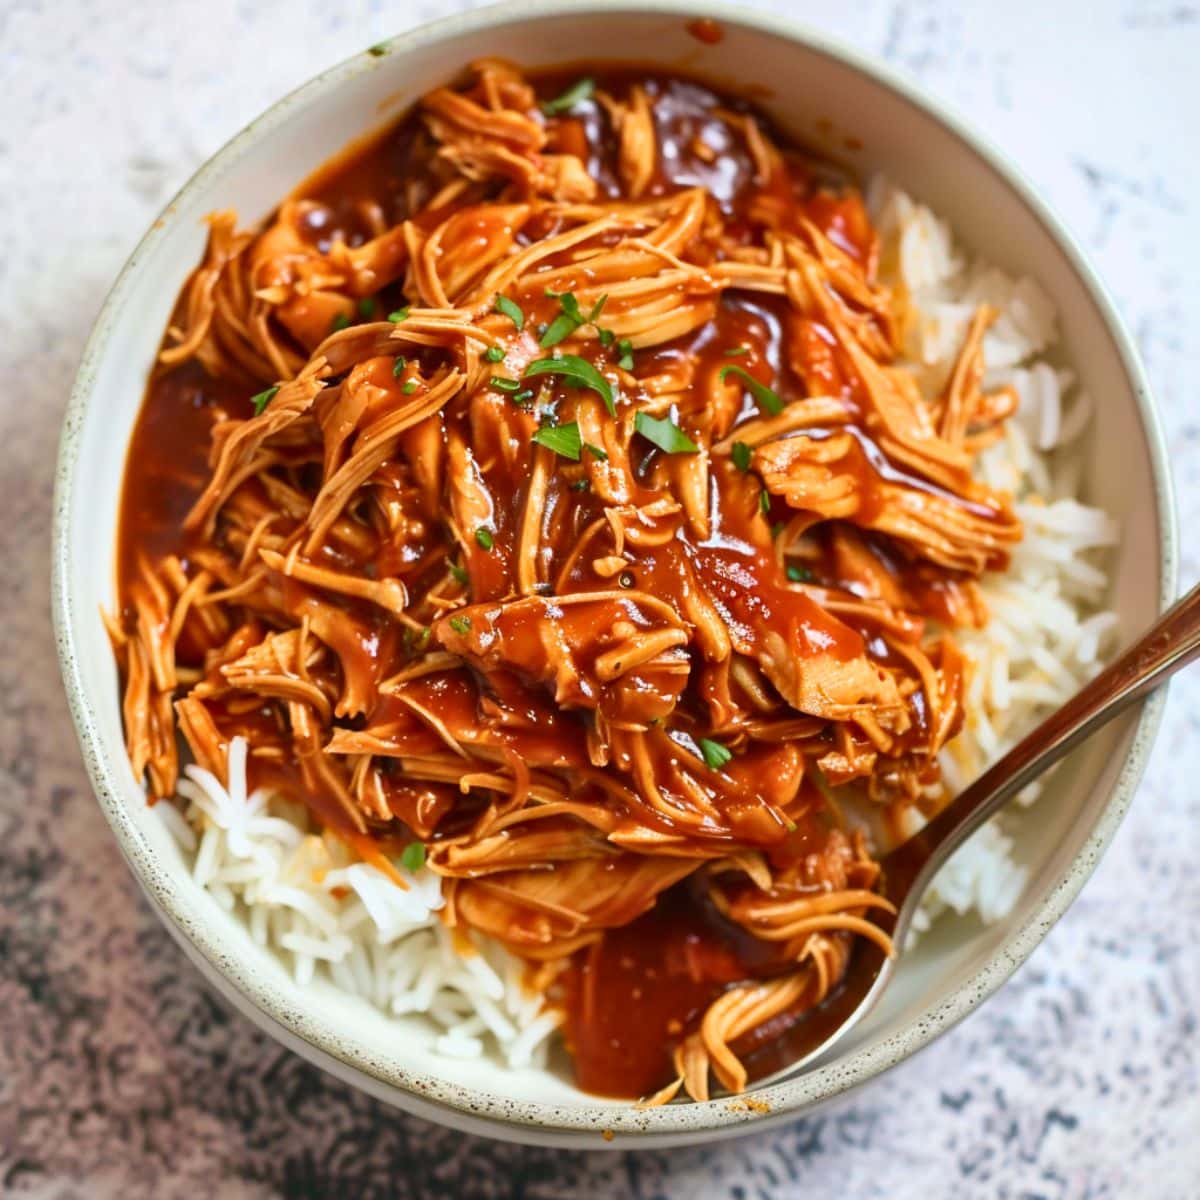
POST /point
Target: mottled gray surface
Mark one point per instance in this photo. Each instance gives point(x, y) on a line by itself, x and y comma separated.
point(120, 1076)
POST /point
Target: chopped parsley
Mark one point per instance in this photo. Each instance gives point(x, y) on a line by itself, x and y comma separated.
point(410, 387)
point(399, 365)
point(412, 857)
point(503, 384)
point(737, 351)
point(798, 574)
point(565, 440)
point(764, 502)
point(571, 318)
point(263, 398)
point(665, 434)
point(580, 485)
point(484, 538)
point(558, 330)
point(569, 305)
point(458, 573)
point(596, 451)
point(741, 455)
point(577, 93)
point(577, 371)
point(460, 625)
point(400, 314)
point(511, 310)
point(366, 307)
point(768, 400)
point(715, 755)
point(494, 354)
point(339, 322)
point(625, 348)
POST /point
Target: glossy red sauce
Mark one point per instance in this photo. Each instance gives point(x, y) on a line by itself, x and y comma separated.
point(706, 30)
point(631, 995)
point(666, 967)
point(168, 462)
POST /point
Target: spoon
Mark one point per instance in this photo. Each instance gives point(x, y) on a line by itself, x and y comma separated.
point(1170, 644)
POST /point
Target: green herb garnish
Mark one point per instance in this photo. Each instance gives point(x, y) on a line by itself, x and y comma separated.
point(401, 314)
point(503, 384)
point(564, 440)
point(366, 307)
point(666, 435)
point(263, 399)
point(625, 348)
point(378, 50)
point(399, 365)
point(737, 351)
point(578, 92)
point(558, 330)
point(484, 538)
point(741, 455)
point(715, 755)
point(571, 318)
point(523, 397)
point(596, 451)
point(494, 354)
point(339, 322)
point(798, 574)
point(764, 502)
point(570, 306)
point(511, 310)
point(412, 857)
point(768, 400)
point(578, 371)
point(460, 625)
point(580, 485)
point(410, 387)
point(459, 573)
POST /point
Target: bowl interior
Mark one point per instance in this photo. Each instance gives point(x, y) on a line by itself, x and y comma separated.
point(819, 98)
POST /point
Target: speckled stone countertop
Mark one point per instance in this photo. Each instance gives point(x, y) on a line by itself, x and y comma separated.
point(121, 1076)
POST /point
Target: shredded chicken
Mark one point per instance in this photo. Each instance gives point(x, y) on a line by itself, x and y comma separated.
point(584, 526)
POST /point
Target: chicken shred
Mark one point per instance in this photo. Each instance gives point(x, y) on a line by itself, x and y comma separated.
point(586, 526)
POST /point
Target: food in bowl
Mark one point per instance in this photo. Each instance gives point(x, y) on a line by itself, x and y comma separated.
point(567, 537)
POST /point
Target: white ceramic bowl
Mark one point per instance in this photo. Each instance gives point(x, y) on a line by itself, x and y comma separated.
point(813, 84)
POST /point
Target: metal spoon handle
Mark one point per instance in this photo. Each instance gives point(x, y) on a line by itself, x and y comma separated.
point(1171, 642)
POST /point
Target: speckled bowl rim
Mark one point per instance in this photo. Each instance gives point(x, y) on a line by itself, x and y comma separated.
point(469, 1108)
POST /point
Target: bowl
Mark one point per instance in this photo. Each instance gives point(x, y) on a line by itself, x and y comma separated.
point(826, 95)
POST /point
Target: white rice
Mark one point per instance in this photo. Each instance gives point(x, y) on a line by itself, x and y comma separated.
point(303, 895)
point(1048, 633)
